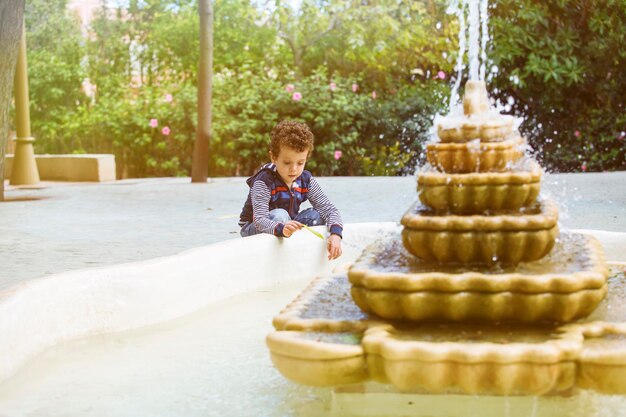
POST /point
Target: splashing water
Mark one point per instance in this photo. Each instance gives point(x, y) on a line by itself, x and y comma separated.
point(473, 52)
point(484, 37)
point(533, 412)
point(478, 34)
point(507, 407)
point(454, 8)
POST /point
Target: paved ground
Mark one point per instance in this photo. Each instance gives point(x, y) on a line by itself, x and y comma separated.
point(71, 226)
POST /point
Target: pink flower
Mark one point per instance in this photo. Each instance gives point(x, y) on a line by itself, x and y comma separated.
point(169, 98)
point(374, 95)
point(154, 122)
point(333, 86)
point(338, 154)
point(296, 96)
point(290, 88)
point(441, 75)
point(583, 167)
point(165, 130)
point(355, 87)
point(577, 133)
point(622, 136)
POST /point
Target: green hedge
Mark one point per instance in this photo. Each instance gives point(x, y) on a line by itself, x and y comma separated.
point(375, 136)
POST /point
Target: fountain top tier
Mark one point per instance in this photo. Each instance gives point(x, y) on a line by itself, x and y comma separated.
point(475, 100)
point(478, 121)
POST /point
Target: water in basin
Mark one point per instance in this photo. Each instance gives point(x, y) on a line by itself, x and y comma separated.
point(215, 363)
point(211, 363)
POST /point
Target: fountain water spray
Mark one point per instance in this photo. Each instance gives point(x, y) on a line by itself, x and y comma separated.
point(474, 12)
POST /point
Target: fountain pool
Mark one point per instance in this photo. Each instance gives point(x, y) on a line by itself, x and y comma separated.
point(185, 335)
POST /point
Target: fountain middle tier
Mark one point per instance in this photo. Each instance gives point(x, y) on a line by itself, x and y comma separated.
point(478, 192)
point(509, 237)
point(476, 156)
point(565, 285)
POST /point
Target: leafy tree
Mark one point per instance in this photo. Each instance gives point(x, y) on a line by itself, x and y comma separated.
point(247, 40)
point(55, 49)
point(563, 64)
point(389, 40)
point(384, 40)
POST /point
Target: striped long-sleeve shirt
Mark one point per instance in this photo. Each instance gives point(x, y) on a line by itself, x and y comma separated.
point(268, 192)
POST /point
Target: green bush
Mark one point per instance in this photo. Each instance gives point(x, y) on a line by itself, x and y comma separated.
point(385, 132)
point(121, 125)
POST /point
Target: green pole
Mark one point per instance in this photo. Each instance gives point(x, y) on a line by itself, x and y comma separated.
point(24, 170)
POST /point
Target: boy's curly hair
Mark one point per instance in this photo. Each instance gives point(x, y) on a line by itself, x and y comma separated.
point(293, 134)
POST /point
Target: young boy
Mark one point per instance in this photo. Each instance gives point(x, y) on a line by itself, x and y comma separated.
point(279, 187)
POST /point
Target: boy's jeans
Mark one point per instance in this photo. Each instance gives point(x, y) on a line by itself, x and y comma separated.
point(310, 217)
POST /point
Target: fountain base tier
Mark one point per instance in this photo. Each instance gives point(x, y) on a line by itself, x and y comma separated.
point(603, 358)
point(490, 359)
point(476, 193)
point(327, 361)
point(472, 364)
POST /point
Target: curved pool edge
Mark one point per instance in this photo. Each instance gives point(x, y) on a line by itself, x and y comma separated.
point(47, 311)
point(44, 312)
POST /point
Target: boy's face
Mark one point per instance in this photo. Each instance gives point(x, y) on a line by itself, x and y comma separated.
point(289, 163)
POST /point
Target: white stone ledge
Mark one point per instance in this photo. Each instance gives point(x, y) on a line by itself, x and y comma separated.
point(79, 167)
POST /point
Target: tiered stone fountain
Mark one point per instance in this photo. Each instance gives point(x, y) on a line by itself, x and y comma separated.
point(480, 294)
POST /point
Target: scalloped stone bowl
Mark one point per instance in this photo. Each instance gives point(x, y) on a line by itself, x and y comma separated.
point(496, 360)
point(479, 192)
point(566, 285)
point(475, 156)
point(603, 358)
point(486, 127)
point(478, 122)
point(509, 237)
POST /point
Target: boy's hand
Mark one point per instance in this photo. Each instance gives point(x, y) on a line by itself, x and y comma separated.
point(290, 227)
point(334, 247)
